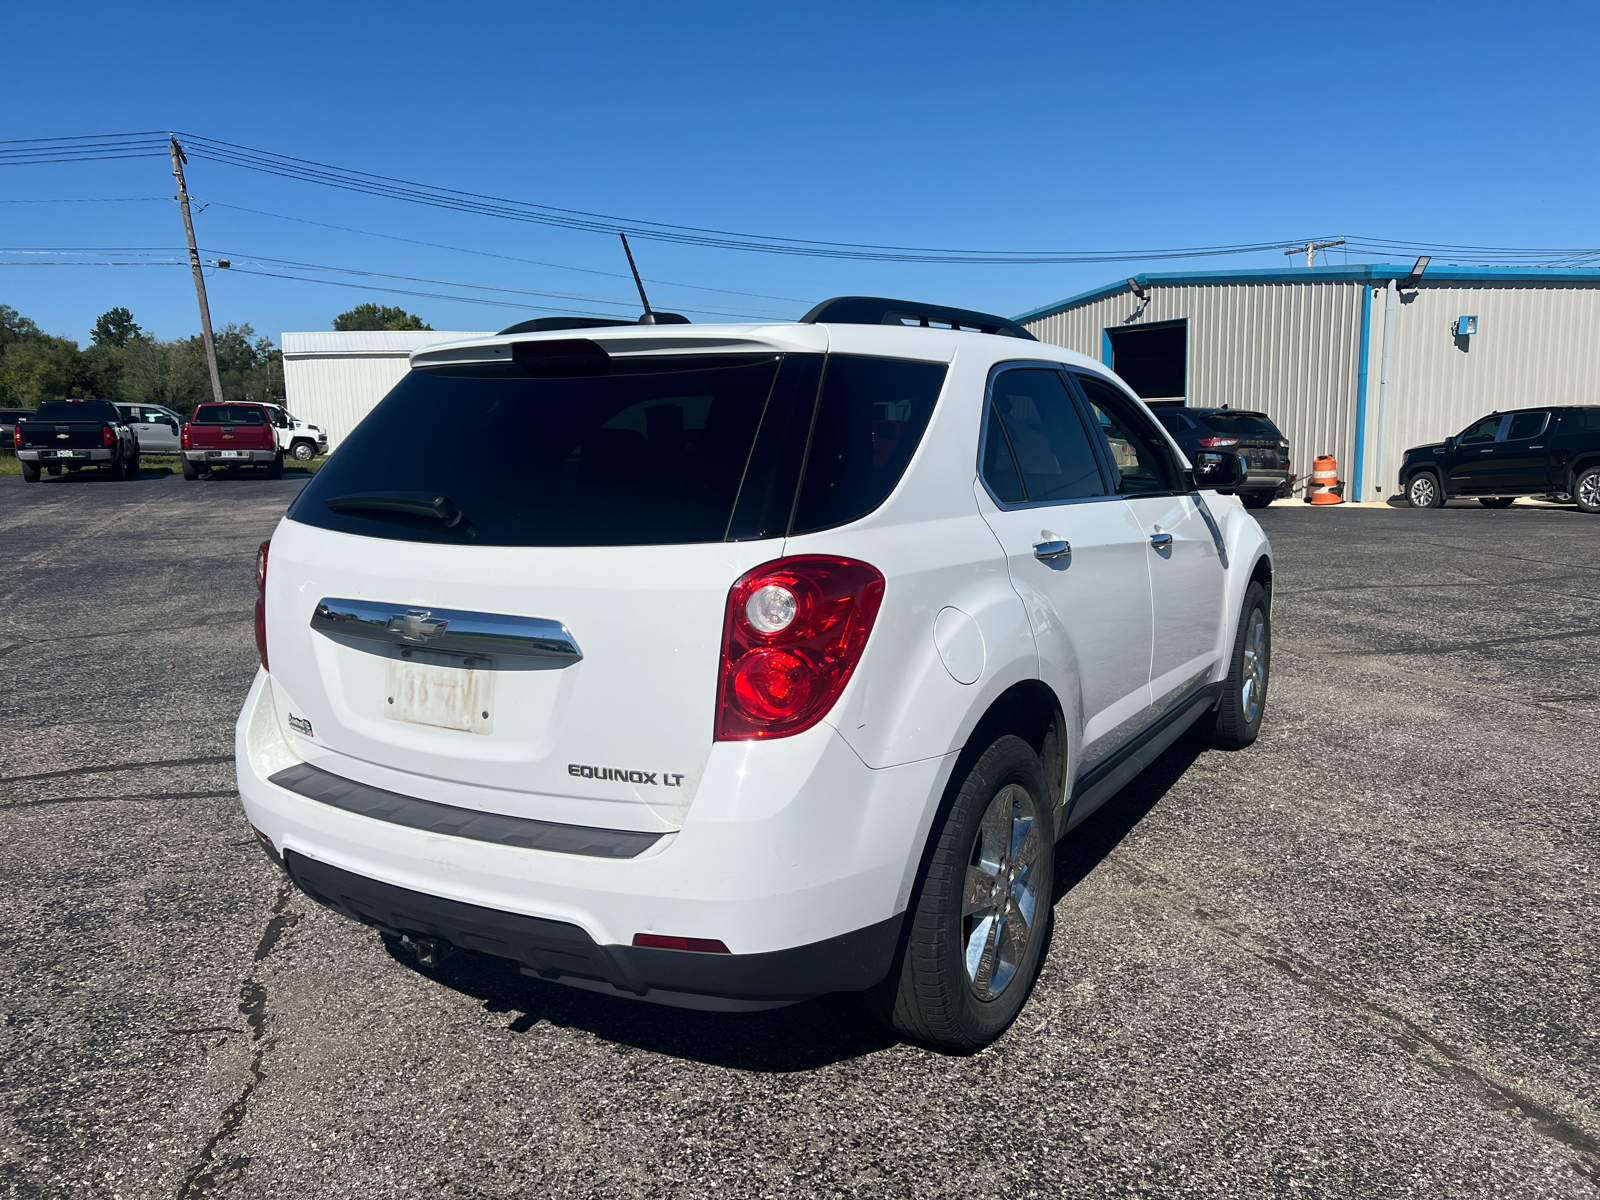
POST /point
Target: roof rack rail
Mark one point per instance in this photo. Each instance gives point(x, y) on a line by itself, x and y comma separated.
point(875, 310)
point(551, 324)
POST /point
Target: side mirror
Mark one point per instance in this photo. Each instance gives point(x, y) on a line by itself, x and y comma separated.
point(1450, 443)
point(1220, 472)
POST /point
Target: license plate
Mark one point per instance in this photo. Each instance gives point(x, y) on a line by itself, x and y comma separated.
point(229, 453)
point(437, 690)
point(66, 454)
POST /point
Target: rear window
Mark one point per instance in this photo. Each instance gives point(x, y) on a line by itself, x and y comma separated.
point(76, 410)
point(228, 414)
point(702, 448)
point(1244, 425)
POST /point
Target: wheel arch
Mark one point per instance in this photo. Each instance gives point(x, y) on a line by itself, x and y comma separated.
point(1581, 463)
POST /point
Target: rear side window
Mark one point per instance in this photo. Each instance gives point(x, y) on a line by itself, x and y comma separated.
point(228, 414)
point(1526, 425)
point(1174, 422)
point(77, 410)
point(870, 419)
point(1035, 431)
point(1242, 425)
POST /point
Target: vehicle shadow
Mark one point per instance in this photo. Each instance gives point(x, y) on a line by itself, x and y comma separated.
point(801, 1037)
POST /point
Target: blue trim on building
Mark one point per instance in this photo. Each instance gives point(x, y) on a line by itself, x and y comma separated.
point(1372, 272)
point(1361, 391)
point(1106, 354)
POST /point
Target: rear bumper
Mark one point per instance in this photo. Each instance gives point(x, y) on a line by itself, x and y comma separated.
point(53, 456)
point(794, 855)
point(1260, 479)
point(259, 456)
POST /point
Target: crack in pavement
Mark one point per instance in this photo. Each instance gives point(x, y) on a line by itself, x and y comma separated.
point(1410, 1035)
point(133, 766)
point(210, 1170)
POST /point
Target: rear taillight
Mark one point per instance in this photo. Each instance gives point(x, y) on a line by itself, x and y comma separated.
point(794, 630)
point(108, 436)
point(1213, 443)
point(261, 603)
point(183, 436)
point(16, 435)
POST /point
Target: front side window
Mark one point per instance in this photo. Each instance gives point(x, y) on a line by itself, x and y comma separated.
point(1526, 425)
point(1136, 449)
point(1486, 430)
point(1036, 448)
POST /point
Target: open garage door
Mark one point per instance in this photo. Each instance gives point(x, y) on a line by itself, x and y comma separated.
point(1152, 359)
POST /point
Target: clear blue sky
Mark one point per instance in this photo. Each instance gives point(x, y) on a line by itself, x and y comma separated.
point(1053, 127)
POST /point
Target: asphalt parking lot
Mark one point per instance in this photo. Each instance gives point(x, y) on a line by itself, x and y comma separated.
point(1358, 959)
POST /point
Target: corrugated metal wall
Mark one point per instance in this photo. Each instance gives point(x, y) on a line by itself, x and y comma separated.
point(335, 379)
point(1287, 349)
point(1536, 344)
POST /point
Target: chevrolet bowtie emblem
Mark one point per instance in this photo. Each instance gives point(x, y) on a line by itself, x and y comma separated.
point(416, 625)
point(61, 437)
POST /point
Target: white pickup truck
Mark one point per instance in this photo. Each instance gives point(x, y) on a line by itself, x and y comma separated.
point(298, 439)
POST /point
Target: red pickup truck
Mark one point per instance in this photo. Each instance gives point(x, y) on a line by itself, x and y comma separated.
point(223, 435)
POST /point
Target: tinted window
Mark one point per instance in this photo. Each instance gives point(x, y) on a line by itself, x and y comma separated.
point(1175, 422)
point(651, 453)
point(77, 410)
point(1485, 430)
point(1582, 420)
point(999, 468)
point(1040, 427)
point(228, 414)
point(1242, 425)
point(1526, 425)
point(1135, 449)
point(870, 418)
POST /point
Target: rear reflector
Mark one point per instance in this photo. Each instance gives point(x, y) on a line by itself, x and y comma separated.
point(658, 941)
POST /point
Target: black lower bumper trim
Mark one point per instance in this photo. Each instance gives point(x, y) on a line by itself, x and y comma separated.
point(850, 962)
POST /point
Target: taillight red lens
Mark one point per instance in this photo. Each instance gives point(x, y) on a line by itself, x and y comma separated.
point(183, 436)
point(661, 941)
point(261, 603)
point(108, 436)
point(781, 673)
point(1212, 443)
point(16, 435)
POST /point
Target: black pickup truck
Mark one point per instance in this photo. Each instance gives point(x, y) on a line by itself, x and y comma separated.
point(75, 434)
point(1552, 451)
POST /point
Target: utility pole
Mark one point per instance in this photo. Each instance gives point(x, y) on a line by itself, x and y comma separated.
point(178, 159)
point(1311, 249)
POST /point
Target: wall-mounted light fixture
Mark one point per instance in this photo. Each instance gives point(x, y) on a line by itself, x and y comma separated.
point(1464, 326)
point(1138, 289)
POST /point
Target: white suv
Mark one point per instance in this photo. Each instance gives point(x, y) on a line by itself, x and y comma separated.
point(750, 662)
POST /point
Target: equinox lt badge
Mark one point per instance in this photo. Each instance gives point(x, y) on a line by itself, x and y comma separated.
point(623, 775)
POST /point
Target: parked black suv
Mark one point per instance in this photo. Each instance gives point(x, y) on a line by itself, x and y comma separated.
point(1251, 434)
point(1552, 451)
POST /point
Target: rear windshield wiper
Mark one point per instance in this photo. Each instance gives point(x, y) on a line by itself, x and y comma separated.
point(428, 505)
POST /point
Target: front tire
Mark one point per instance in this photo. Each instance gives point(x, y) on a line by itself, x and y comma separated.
point(979, 922)
point(1586, 490)
point(1244, 695)
point(1424, 491)
point(303, 452)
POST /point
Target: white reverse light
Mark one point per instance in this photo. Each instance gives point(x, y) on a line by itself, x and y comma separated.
point(770, 609)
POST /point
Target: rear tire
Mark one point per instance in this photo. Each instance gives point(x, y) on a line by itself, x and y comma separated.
point(275, 467)
point(30, 472)
point(119, 467)
point(1497, 501)
point(190, 471)
point(979, 923)
point(1244, 695)
point(1586, 490)
point(133, 467)
point(1424, 491)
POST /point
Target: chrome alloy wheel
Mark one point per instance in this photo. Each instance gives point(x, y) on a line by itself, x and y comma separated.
point(1001, 895)
point(1421, 491)
point(1253, 684)
point(1589, 490)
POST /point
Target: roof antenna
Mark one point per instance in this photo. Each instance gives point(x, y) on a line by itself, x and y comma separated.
point(649, 317)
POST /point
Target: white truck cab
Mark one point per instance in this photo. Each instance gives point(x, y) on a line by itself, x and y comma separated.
point(743, 663)
point(298, 439)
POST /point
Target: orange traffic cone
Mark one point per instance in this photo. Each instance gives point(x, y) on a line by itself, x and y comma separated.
point(1325, 487)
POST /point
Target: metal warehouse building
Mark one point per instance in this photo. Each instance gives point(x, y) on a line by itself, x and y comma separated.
point(1360, 362)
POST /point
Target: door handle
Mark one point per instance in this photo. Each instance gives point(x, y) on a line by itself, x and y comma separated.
point(1052, 550)
point(1485, 451)
point(1161, 542)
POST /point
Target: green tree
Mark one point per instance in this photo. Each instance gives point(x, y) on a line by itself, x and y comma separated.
point(42, 368)
point(377, 316)
point(14, 327)
point(115, 328)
